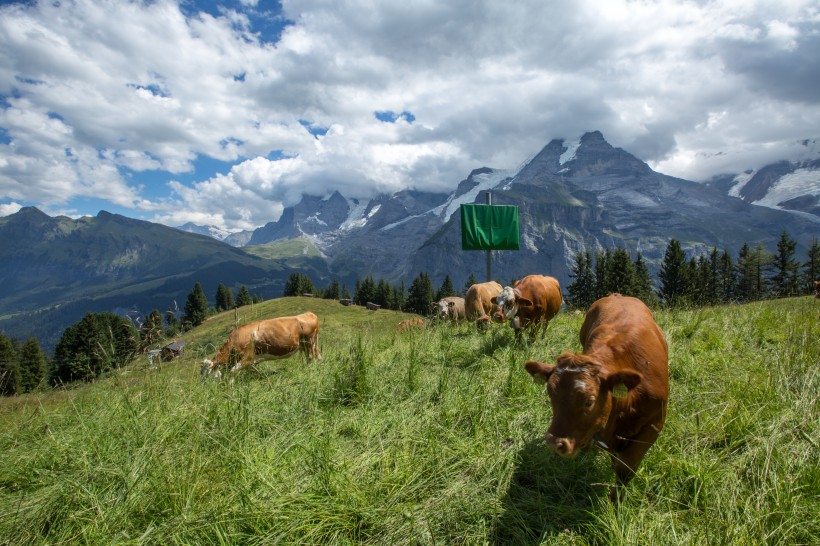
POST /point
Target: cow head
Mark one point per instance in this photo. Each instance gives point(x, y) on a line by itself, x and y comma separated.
point(580, 392)
point(208, 368)
point(443, 308)
point(483, 322)
point(509, 301)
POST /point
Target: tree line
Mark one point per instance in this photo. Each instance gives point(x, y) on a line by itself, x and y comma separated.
point(101, 342)
point(707, 279)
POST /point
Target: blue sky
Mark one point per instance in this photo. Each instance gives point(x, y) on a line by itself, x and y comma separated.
point(222, 113)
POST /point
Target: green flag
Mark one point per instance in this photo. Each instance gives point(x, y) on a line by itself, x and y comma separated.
point(489, 227)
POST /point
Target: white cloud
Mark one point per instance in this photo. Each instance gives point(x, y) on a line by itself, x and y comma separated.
point(95, 89)
point(9, 208)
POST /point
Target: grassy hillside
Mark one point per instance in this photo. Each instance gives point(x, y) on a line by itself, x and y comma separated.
point(431, 436)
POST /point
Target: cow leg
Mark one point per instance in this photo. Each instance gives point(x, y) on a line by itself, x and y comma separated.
point(625, 462)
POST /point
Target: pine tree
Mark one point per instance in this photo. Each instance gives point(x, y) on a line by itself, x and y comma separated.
point(151, 330)
point(10, 380)
point(382, 294)
point(332, 292)
point(196, 307)
point(581, 291)
point(600, 268)
point(365, 291)
point(32, 366)
point(224, 298)
point(292, 285)
point(673, 275)
point(811, 268)
point(446, 289)
point(401, 296)
point(305, 285)
point(727, 279)
point(712, 278)
point(471, 280)
point(620, 273)
point(94, 345)
point(643, 286)
point(787, 269)
point(172, 322)
point(753, 265)
point(745, 274)
point(420, 299)
point(243, 297)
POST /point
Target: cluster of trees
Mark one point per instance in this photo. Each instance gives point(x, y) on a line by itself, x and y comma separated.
point(419, 299)
point(101, 342)
point(196, 308)
point(707, 279)
point(22, 366)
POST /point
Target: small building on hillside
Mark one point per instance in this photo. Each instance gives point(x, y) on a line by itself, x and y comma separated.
point(173, 350)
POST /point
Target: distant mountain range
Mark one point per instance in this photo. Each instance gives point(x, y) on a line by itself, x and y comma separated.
point(572, 197)
point(785, 185)
point(54, 270)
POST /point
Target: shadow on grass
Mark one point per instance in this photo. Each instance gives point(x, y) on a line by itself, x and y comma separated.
point(550, 496)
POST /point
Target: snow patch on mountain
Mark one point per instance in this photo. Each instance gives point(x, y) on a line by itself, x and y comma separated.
point(356, 217)
point(211, 231)
point(314, 219)
point(800, 182)
point(485, 181)
point(569, 155)
point(739, 181)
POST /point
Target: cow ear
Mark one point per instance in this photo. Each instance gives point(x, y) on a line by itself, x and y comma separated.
point(523, 302)
point(630, 378)
point(539, 371)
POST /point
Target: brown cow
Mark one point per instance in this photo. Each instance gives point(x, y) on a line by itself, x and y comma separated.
point(622, 345)
point(411, 324)
point(266, 339)
point(479, 302)
point(531, 301)
point(817, 289)
point(452, 307)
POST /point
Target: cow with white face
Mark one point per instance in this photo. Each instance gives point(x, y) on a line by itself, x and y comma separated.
point(530, 303)
point(451, 307)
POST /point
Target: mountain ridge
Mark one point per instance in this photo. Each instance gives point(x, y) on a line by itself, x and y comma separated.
point(573, 196)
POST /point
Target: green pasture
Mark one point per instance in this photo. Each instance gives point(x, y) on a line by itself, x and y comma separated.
point(432, 436)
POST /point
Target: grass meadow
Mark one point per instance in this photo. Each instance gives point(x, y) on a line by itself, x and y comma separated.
point(432, 436)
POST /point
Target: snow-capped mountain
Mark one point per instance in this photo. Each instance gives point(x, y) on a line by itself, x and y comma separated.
point(211, 231)
point(787, 185)
point(572, 196)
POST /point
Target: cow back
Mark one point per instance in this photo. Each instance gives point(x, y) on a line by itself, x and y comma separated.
point(480, 299)
point(544, 293)
point(620, 332)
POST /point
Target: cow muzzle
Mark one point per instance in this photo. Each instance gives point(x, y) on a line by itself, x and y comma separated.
point(565, 447)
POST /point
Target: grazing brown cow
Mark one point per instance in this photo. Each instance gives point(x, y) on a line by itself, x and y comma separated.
point(530, 303)
point(266, 339)
point(817, 289)
point(410, 324)
point(452, 307)
point(479, 303)
point(622, 345)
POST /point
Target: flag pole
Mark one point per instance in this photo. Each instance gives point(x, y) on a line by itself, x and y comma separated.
point(489, 252)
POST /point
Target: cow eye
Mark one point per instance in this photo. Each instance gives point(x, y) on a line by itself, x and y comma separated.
point(589, 404)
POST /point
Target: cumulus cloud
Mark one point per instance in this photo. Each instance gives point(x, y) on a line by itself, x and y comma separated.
point(296, 100)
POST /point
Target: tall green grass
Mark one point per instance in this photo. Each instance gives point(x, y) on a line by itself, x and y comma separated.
point(427, 437)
